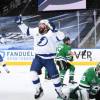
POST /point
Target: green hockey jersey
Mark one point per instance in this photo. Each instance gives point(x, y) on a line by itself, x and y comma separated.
point(63, 51)
point(90, 79)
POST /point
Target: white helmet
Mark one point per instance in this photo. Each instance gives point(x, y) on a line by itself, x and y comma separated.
point(46, 22)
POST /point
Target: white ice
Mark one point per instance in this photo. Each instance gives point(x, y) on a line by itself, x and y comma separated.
point(17, 85)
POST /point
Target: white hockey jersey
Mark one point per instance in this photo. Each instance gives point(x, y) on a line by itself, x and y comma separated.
point(44, 45)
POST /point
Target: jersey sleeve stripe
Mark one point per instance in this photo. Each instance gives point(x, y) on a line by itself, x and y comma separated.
point(84, 86)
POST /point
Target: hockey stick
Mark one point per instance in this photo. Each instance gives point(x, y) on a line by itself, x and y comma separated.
point(83, 52)
point(23, 10)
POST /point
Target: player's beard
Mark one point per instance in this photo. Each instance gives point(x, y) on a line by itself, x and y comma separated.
point(41, 31)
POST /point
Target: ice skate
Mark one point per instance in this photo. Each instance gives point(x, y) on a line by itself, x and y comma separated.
point(61, 96)
point(38, 93)
point(8, 71)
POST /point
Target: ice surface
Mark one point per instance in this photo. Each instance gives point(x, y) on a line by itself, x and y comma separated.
point(17, 85)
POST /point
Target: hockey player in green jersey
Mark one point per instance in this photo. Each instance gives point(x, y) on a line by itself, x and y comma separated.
point(47, 76)
point(90, 83)
point(63, 56)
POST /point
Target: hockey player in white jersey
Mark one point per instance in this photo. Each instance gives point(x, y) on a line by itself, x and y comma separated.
point(45, 40)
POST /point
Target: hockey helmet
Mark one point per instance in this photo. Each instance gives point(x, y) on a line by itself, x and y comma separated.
point(46, 22)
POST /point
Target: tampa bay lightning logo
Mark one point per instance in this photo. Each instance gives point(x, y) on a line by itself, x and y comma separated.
point(43, 41)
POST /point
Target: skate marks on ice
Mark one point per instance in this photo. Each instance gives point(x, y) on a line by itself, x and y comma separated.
point(16, 96)
point(17, 85)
